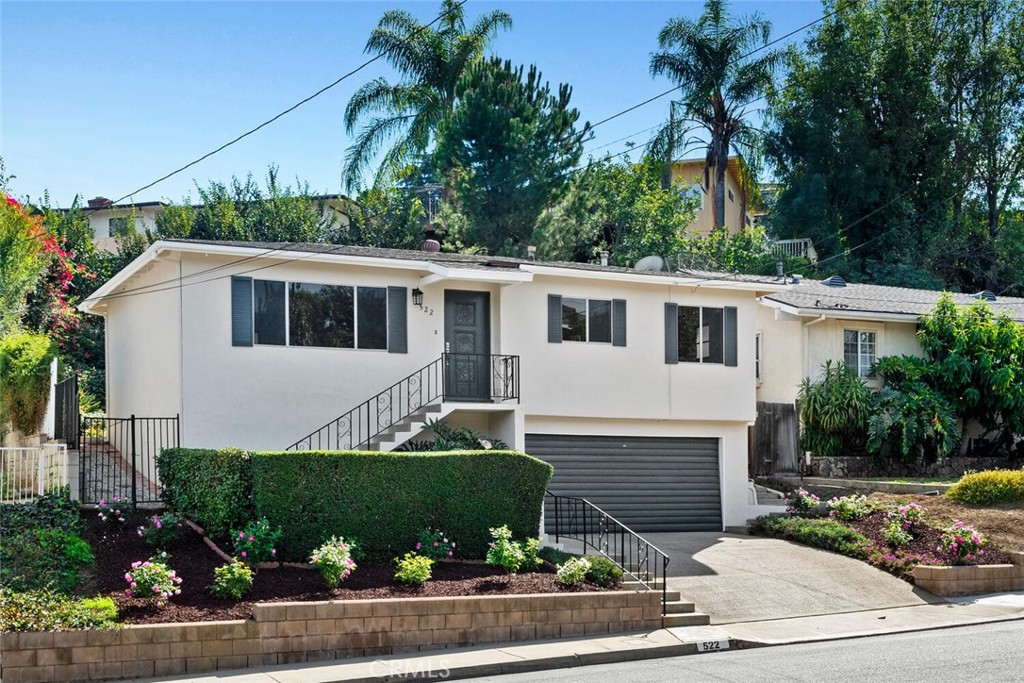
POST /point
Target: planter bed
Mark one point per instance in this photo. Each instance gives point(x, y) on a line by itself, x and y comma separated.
point(926, 540)
point(116, 548)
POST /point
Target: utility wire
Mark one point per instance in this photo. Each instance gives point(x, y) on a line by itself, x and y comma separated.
point(295, 106)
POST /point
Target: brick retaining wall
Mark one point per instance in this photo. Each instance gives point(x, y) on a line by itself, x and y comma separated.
point(972, 580)
point(287, 633)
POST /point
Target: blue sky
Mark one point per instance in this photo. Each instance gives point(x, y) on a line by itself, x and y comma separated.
point(102, 98)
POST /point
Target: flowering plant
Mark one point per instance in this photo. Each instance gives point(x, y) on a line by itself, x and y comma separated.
point(961, 542)
point(801, 502)
point(573, 571)
point(908, 516)
point(435, 544)
point(161, 530)
point(848, 508)
point(899, 562)
point(334, 560)
point(895, 533)
point(112, 510)
point(255, 543)
point(153, 580)
point(232, 580)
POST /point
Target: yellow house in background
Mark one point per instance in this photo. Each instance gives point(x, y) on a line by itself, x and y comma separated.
point(690, 173)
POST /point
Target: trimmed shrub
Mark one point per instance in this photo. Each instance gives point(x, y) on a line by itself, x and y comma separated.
point(554, 555)
point(386, 499)
point(413, 569)
point(989, 488)
point(820, 533)
point(48, 611)
point(603, 572)
point(232, 580)
point(214, 488)
point(161, 530)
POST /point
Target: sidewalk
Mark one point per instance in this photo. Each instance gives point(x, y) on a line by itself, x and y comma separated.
point(672, 642)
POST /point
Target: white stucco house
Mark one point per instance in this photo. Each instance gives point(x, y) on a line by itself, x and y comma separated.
point(638, 387)
point(805, 325)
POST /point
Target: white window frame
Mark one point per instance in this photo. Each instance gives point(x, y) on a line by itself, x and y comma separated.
point(858, 370)
point(759, 357)
point(701, 327)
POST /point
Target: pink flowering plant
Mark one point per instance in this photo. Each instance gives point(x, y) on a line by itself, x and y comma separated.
point(801, 502)
point(899, 562)
point(908, 516)
point(112, 511)
point(161, 530)
point(435, 544)
point(255, 543)
point(153, 580)
point(848, 508)
point(334, 560)
point(961, 543)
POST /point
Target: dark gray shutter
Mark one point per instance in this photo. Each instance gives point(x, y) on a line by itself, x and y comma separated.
point(398, 317)
point(729, 327)
point(671, 333)
point(241, 311)
point(554, 318)
point(618, 322)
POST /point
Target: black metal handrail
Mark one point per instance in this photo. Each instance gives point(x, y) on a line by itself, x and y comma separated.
point(580, 520)
point(355, 429)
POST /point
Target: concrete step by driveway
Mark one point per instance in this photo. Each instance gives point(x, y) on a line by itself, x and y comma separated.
point(679, 607)
point(691, 619)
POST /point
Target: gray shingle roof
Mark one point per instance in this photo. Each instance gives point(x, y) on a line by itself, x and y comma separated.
point(470, 260)
point(813, 295)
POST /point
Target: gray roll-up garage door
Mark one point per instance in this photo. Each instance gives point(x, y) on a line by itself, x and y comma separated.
point(647, 483)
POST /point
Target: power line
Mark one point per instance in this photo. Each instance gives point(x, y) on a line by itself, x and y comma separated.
point(294, 106)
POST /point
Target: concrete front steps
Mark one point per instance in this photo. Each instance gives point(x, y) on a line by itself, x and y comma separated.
point(407, 428)
point(678, 612)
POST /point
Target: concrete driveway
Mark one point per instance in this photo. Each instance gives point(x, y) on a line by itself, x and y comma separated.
point(737, 578)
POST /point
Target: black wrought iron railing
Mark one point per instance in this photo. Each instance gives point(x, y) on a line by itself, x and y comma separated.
point(453, 376)
point(580, 520)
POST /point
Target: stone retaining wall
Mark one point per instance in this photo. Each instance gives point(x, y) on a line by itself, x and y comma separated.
point(287, 633)
point(972, 580)
point(853, 466)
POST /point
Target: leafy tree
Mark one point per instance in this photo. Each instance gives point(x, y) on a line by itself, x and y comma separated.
point(24, 255)
point(242, 211)
point(431, 62)
point(710, 60)
point(897, 136)
point(913, 423)
point(507, 151)
point(975, 361)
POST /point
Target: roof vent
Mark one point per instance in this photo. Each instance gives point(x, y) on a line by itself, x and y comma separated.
point(430, 242)
point(834, 281)
point(797, 278)
point(985, 295)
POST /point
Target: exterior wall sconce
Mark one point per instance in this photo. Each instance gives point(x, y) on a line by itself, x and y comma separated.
point(417, 297)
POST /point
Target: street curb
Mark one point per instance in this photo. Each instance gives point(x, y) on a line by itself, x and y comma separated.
point(743, 644)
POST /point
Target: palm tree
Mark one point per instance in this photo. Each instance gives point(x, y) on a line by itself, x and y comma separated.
point(431, 60)
point(710, 60)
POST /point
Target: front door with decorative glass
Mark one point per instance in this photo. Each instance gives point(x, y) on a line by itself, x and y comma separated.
point(467, 345)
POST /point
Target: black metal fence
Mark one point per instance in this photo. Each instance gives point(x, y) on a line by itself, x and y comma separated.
point(580, 520)
point(117, 457)
point(66, 422)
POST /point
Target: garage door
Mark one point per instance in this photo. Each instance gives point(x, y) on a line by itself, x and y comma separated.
point(647, 483)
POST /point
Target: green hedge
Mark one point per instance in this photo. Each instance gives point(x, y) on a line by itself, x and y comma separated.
point(212, 487)
point(819, 533)
point(384, 499)
point(989, 488)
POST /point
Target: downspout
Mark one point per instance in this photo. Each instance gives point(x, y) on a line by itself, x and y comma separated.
point(806, 340)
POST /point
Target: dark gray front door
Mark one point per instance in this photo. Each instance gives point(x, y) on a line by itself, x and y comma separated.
point(467, 345)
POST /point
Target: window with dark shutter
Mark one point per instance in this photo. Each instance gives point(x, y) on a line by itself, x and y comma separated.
point(671, 334)
point(398, 317)
point(554, 319)
point(241, 311)
point(619, 322)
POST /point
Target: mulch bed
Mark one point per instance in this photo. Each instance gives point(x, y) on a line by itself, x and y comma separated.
point(116, 548)
point(926, 541)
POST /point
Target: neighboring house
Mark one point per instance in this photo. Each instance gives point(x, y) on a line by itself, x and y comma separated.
point(803, 326)
point(638, 386)
point(691, 173)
